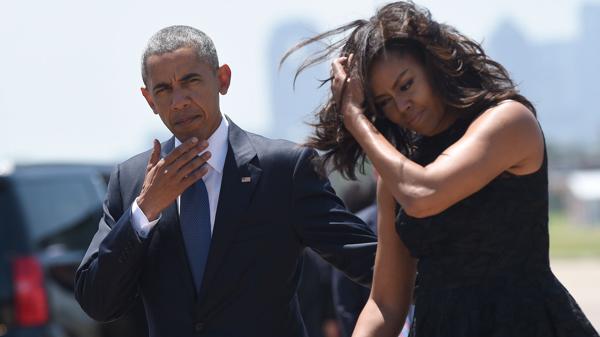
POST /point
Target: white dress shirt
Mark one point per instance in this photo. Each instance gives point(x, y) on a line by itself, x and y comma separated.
point(217, 145)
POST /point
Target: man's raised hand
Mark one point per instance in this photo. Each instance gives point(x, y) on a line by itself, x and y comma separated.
point(168, 177)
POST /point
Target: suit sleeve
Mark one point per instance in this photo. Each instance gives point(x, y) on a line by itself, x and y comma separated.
point(324, 224)
point(106, 282)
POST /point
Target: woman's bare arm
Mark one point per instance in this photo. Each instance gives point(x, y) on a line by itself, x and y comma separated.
point(393, 279)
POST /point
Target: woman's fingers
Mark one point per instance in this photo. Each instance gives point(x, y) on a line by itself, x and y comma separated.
point(338, 68)
point(346, 89)
point(338, 74)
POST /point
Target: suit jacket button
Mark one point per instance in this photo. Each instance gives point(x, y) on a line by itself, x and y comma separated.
point(199, 327)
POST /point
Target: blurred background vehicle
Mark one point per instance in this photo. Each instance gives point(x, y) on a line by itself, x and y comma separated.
point(48, 215)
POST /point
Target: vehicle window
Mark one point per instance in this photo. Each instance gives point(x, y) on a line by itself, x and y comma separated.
point(10, 219)
point(4, 212)
point(61, 210)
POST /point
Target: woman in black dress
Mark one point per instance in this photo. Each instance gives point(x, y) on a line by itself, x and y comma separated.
point(462, 154)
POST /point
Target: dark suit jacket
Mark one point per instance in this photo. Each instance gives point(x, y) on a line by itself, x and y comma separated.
point(254, 264)
point(350, 298)
point(314, 293)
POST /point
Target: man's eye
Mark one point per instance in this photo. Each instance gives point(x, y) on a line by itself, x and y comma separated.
point(407, 85)
point(160, 90)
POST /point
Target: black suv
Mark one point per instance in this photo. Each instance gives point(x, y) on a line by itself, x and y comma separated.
point(48, 216)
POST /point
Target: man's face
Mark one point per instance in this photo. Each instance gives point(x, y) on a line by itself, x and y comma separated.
point(184, 91)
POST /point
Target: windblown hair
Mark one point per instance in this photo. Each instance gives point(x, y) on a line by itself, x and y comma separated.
point(171, 38)
point(466, 79)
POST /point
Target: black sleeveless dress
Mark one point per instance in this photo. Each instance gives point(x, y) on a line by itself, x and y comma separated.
point(483, 265)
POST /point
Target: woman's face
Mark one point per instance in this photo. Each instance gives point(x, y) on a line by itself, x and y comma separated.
point(403, 92)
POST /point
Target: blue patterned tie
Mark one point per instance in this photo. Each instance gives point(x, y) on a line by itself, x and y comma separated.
point(195, 226)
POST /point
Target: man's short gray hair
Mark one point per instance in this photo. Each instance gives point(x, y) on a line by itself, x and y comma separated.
point(172, 38)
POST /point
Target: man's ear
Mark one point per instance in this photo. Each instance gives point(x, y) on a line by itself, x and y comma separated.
point(148, 97)
point(224, 77)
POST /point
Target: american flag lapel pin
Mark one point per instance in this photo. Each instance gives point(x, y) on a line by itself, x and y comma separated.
point(246, 179)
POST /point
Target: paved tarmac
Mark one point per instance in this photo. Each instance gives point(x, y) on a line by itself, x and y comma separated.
point(582, 278)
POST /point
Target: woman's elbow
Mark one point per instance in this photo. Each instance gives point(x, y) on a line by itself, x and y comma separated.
point(422, 205)
point(416, 210)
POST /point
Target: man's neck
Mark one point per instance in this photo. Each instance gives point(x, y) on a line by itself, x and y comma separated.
point(215, 127)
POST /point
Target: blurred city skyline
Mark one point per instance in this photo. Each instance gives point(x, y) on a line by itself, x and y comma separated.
point(559, 77)
point(71, 91)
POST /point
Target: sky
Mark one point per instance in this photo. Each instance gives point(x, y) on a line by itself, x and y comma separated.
point(71, 75)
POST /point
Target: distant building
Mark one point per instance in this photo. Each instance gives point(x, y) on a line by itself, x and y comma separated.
point(292, 108)
point(559, 77)
point(583, 197)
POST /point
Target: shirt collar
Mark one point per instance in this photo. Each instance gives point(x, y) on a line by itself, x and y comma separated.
point(217, 145)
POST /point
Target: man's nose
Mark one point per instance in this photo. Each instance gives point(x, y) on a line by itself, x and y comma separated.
point(180, 99)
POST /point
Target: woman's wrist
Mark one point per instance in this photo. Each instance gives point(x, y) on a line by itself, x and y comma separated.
point(352, 116)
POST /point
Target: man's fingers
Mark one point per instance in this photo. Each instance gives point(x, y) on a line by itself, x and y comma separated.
point(195, 176)
point(180, 150)
point(190, 167)
point(155, 155)
point(188, 156)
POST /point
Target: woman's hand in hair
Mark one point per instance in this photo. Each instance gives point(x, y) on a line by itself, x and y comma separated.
point(347, 90)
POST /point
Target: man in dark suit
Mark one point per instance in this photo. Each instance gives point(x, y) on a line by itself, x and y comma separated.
point(350, 298)
point(210, 233)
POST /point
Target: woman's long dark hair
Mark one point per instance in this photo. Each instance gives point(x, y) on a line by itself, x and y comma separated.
point(466, 79)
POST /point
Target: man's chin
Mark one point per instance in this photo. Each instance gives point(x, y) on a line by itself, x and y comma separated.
point(184, 136)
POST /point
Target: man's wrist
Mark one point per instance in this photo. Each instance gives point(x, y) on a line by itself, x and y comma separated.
point(140, 222)
point(148, 212)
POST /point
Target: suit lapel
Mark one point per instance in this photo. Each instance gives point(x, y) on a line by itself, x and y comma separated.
point(240, 177)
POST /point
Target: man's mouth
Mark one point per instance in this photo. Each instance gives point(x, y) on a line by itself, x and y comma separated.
point(186, 120)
